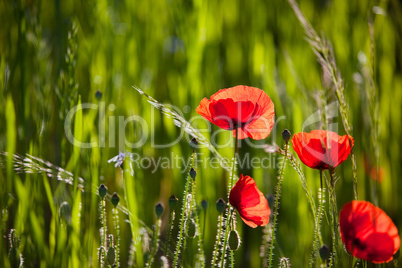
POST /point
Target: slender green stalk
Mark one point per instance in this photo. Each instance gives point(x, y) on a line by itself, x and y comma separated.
point(234, 163)
point(231, 259)
point(321, 200)
point(334, 217)
point(226, 237)
point(217, 241)
point(155, 246)
point(117, 228)
point(103, 207)
point(201, 256)
point(100, 257)
point(183, 220)
point(203, 225)
point(169, 234)
point(229, 207)
point(278, 193)
point(130, 197)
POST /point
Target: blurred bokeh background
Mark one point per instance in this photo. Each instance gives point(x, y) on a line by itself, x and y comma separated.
point(55, 53)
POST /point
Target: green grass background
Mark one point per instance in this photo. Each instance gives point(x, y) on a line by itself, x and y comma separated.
point(180, 52)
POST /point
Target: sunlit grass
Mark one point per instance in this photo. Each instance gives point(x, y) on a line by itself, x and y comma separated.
point(57, 55)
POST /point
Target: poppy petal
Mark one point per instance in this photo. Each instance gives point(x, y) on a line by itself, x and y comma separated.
point(367, 232)
point(250, 202)
point(321, 149)
point(247, 108)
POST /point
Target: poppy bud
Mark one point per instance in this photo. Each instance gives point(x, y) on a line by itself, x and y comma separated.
point(324, 253)
point(234, 240)
point(204, 204)
point(65, 212)
point(193, 173)
point(102, 191)
point(115, 199)
point(173, 202)
point(98, 95)
point(286, 135)
point(194, 144)
point(159, 209)
point(271, 200)
point(220, 205)
point(191, 229)
point(111, 255)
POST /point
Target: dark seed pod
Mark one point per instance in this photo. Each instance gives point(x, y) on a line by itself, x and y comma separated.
point(111, 255)
point(173, 202)
point(204, 204)
point(286, 135)
point(98, 95)
point(194, 144)
point(324, 253)
point(159, 209)
point(102, 191)
point(192, 230)
point(271, 200)
point(234, 240)
point(220, 205)
point(115, 199)
point(193, 173)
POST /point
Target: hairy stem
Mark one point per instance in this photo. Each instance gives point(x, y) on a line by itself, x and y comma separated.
point(229, 208)
point(117, 228)
point(182, 237)
point(217, 241)
point(156, 243)
point(169, 234)
point(277, 196)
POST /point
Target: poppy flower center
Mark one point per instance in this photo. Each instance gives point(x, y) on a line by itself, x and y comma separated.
point(357, 244)
point(230, 114)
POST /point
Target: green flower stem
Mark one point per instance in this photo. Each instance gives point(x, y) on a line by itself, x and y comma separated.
point(103, 207)
point(229, 207)
point(231, 259)
point(226, 237)
point(233, 165)
point(182, 237)
point(117, 228)
point(321, 198)
point(198, 226)
point(217, 241)
point(334, 216)
point(169, 235)
point(278, 192)
point(156, 243)
point(101, 252)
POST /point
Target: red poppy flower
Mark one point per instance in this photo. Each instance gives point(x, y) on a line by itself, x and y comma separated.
point(368, 233)
point(250, 202)
point(321, 149)
point(247, 109)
